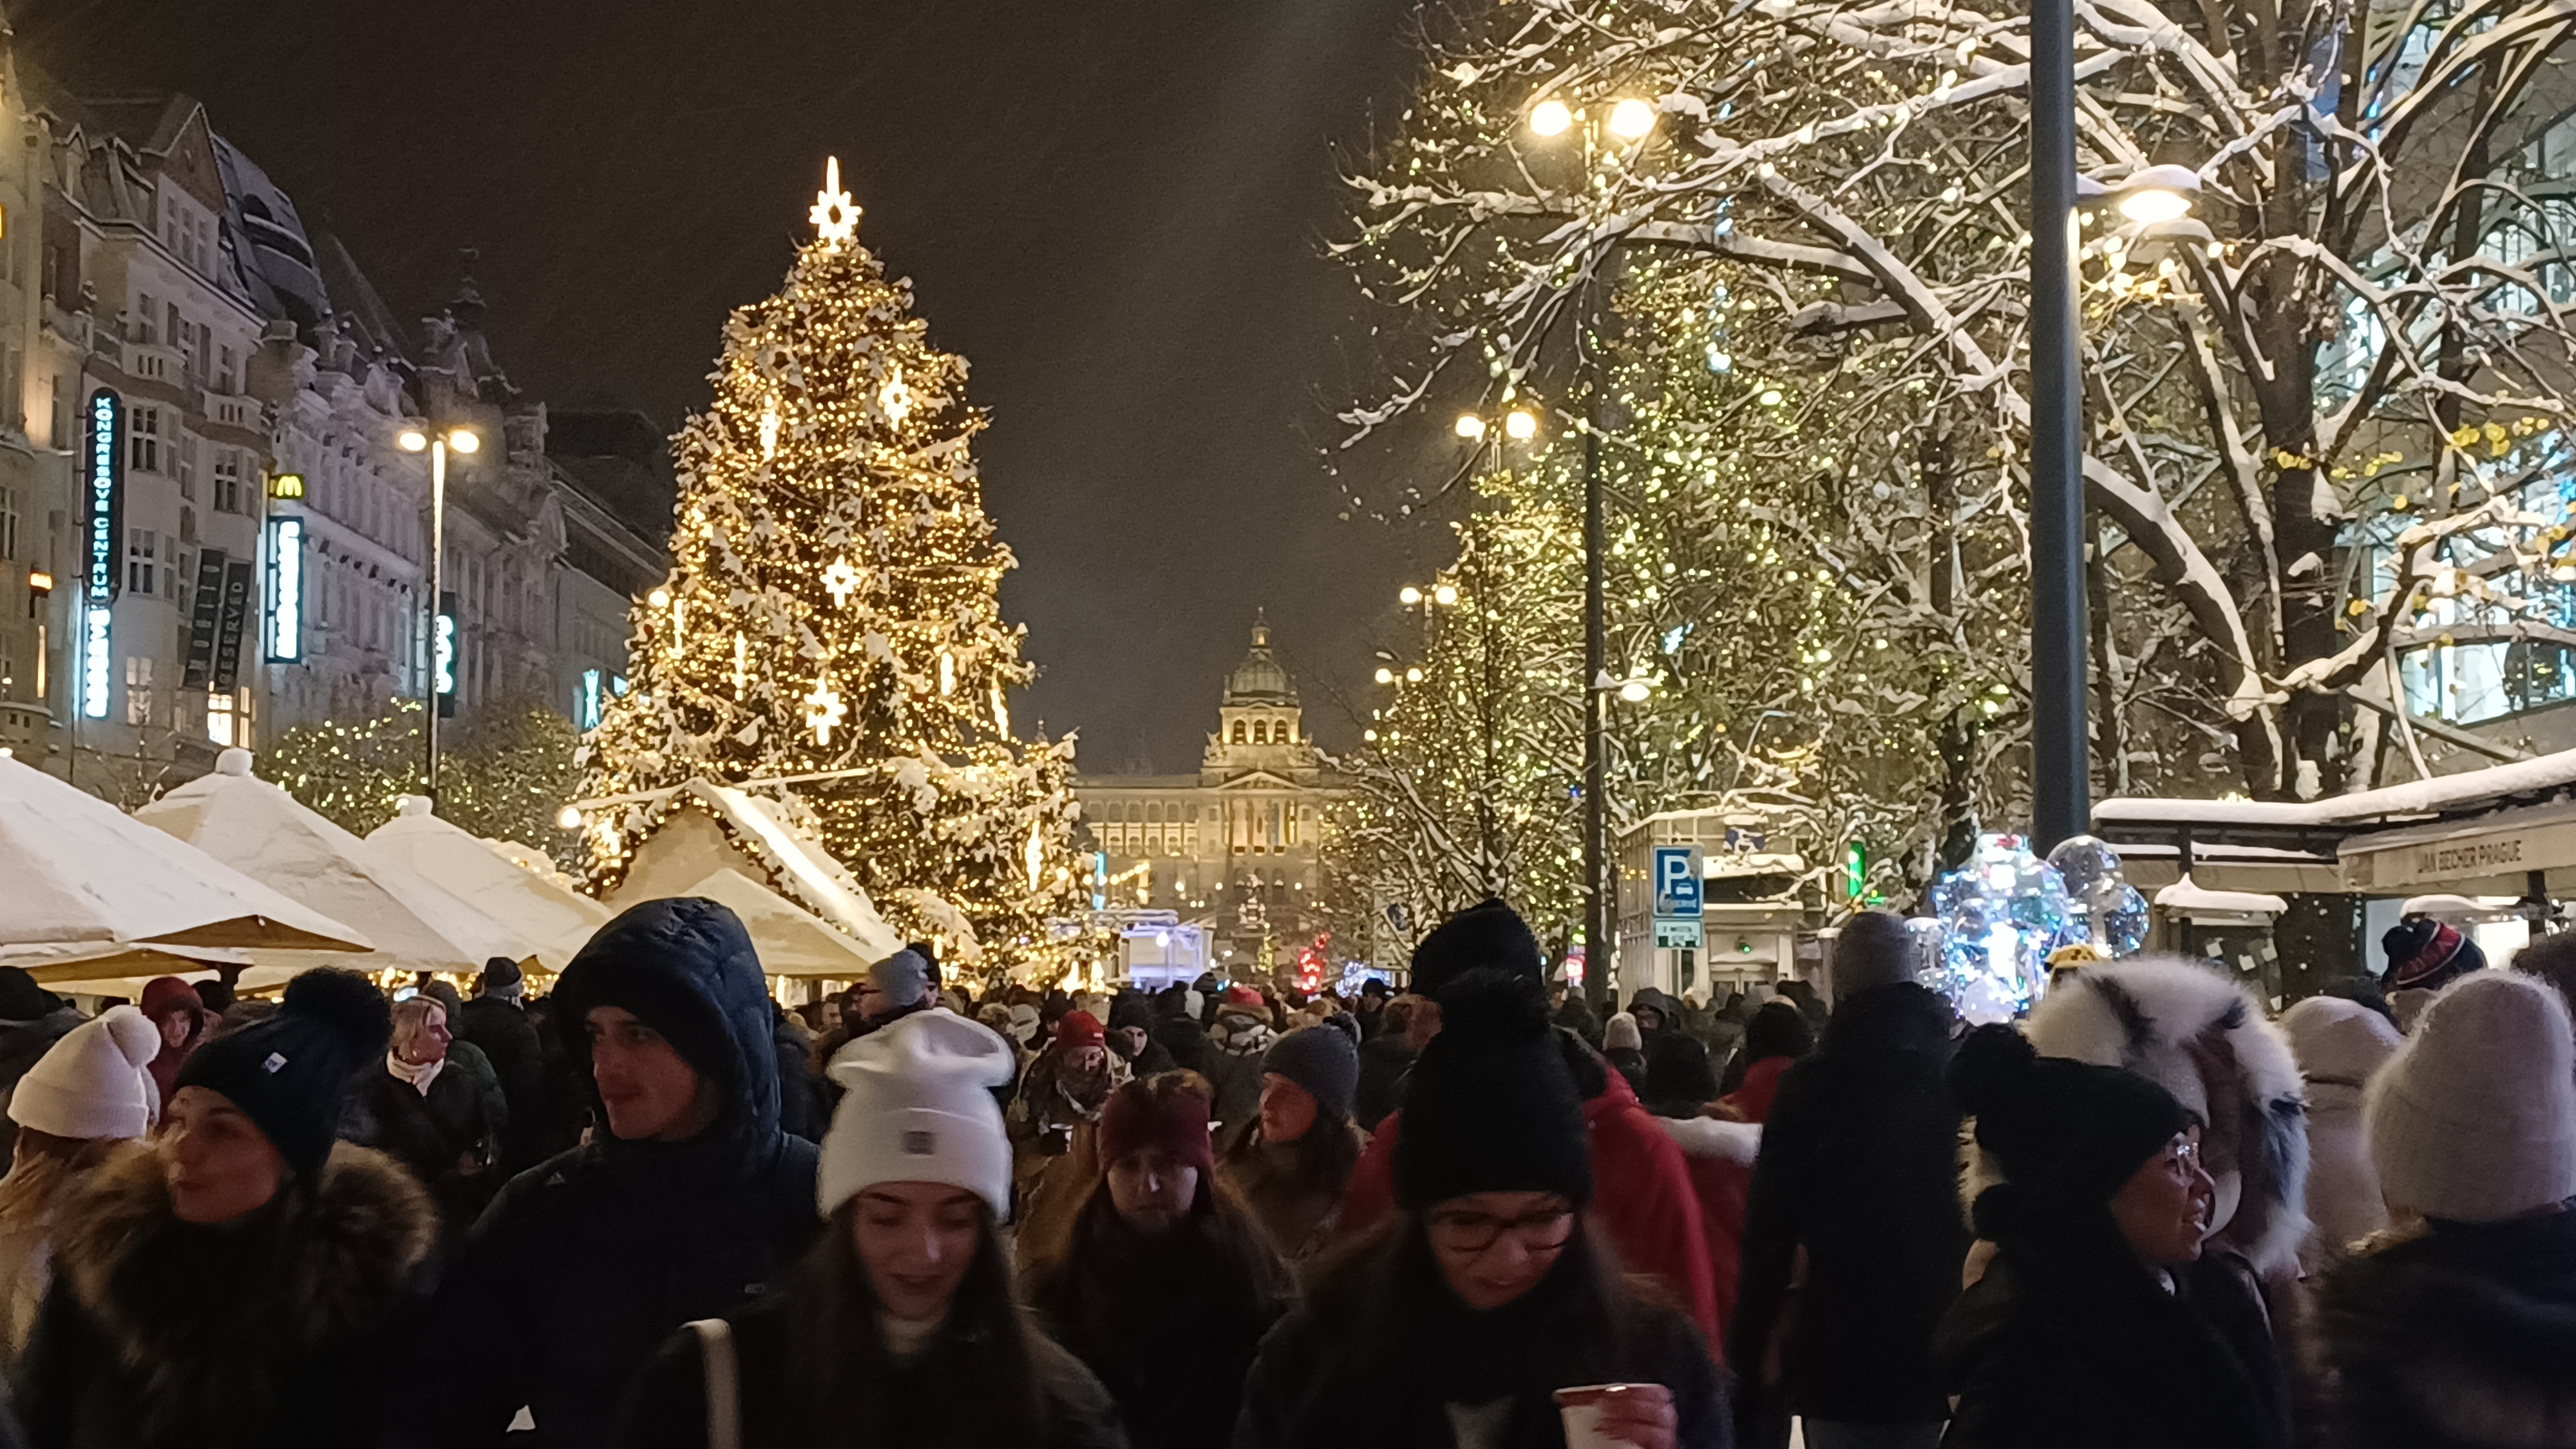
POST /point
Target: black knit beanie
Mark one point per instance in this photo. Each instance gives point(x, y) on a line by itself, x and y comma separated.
point(1779, 1029)
point(290, 1072)
point(1130, 1008)
point(1487, 935)
point(1323, 1060)
point(2067, 1134)
point(1677, 1070)
point(1491, 1106)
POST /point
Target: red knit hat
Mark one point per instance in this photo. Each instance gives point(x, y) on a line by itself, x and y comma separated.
point(1136, 1118)
point(1079, 1029)
point(1245, 996)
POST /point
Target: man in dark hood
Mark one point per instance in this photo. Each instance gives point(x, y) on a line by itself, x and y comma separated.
point(1131, 1036)
point(688, 1199)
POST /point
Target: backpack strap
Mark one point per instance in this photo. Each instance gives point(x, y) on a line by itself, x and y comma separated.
point(724, 1386)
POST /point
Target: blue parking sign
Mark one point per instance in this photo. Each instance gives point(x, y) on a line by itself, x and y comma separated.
point(1677, 882)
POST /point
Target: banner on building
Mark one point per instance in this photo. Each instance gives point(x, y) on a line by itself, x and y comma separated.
point(205, 617)
point(236, 619)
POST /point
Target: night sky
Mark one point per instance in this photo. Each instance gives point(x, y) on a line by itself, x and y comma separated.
point(1115, 211)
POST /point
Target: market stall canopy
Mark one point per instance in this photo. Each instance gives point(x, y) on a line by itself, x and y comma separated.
point(126, 971)
point(85, 880)
point(791, 941)
point(267, 834)
point(557, 921)
point(705, 829)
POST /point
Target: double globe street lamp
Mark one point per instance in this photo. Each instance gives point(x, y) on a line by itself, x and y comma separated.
point(438, 634)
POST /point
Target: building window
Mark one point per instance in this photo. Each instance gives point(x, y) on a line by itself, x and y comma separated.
point(138, 689)
point(143, 452)
point(228, 480)
point(144, 313)
point(224, 370)
point(222, 717)
point(185, 445)
point(174, 579)
point(12, 502)
point(586, 707)
point(141, 546)
point(1242, 733)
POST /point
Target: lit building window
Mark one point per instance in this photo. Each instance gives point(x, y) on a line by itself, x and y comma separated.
point(223, 718)
point(586, 713)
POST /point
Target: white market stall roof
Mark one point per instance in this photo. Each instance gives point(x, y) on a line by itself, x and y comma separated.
point(267, 834)
point(2492, 827)
point(84, 880)
point(707, 830)
point(2440, 795)
point(556, 921)
point(2185, 898)
point(791, 941)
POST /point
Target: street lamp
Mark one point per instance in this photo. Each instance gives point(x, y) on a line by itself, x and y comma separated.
point(1520, 425)
point(1630, 120)
point(1470, 426)
point(2152, 195)
point(437, 445)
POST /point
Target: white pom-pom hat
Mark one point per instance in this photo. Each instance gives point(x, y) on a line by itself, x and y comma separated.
point(92, 1082)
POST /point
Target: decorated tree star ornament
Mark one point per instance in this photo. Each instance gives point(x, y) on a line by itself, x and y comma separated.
point(824, 710)
point(835, 219)
point(768, 432)
point(841, 581)
point(741, 665)
point(895, 398)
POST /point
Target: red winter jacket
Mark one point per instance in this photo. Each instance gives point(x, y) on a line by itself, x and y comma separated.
point(1761, 1084)
point(1641, 1193)
point(1721, 1156)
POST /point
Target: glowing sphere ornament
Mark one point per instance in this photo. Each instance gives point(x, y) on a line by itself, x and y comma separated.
point(2000, 914)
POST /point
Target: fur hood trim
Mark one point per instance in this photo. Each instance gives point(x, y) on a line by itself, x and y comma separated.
point(2473, 1357)
point(1708, 1139)
point(2203, 1038)
point(322, 1266)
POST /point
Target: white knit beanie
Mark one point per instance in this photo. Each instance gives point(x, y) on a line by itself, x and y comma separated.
point(2474, 1119)
point(920, 1108)
point(91, 1083)
point(1621, 1031)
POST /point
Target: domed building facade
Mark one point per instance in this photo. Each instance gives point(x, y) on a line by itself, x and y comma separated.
point(1231, 848)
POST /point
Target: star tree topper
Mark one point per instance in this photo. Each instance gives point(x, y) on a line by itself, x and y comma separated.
point(835, 219)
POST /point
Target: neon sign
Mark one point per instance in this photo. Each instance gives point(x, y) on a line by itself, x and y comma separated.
point(285, 589)
point(106, 477)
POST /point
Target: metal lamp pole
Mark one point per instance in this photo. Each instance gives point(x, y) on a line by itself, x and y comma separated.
point(436, 444)
point(2061, 782)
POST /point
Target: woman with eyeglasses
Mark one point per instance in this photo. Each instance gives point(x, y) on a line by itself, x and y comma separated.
point(2098, 1323)
point(1457, 1322)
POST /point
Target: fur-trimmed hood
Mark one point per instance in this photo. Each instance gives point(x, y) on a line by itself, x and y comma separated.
point(210, 1320)
point(1708, 1139)
point(2203, 1038)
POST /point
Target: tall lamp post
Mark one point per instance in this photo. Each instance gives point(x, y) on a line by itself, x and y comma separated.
point(2154, 197)
point(1630, 121)
point(436, 444)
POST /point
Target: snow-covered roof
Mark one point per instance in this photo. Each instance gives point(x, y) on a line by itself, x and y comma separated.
point(747, 833)
point(2441, 794)
point(82, 878)
point(2188, 899)
point(270, 836)
point(556, 921)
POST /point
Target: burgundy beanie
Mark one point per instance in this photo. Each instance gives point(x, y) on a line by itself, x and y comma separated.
point(1079, 1029)
point(1136, 1119)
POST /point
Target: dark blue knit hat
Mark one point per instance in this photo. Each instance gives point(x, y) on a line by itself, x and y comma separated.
point(290, 1072)
point(1321, 1059)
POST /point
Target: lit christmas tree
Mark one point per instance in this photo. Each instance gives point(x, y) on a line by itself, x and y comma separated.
point(831, 608)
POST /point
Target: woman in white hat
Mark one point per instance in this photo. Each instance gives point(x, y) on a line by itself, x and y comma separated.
point(899, 1327)
point(88, 1093)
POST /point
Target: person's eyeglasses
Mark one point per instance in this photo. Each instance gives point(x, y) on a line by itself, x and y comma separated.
point(1536, 1232)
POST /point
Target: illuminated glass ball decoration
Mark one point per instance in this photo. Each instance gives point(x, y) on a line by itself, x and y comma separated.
point(2000, 914)
point(2112, 911)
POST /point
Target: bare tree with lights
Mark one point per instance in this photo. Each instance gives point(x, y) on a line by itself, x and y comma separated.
point(2325, 301)
point(832, 613)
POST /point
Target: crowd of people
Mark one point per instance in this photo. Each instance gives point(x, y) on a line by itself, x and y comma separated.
point(654, 1208)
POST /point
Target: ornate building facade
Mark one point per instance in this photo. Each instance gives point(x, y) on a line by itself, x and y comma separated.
point(1233, 847)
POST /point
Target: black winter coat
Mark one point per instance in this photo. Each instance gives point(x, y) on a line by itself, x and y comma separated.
point(273, 1333)
point(1384, 1061)
point(2075, 1345)
point(2462, 1339)
point(917, 1407)
point(445, 1138)
point(1382, 1348)
point(586, 1263)
point(509, 1041)
point(1859, 1166)
point(801, 1112)
point(1168, 1321)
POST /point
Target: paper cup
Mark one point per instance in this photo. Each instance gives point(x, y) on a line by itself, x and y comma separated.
point(1580, 1408)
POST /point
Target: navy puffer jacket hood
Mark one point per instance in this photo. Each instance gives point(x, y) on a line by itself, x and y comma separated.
point(685, 967)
